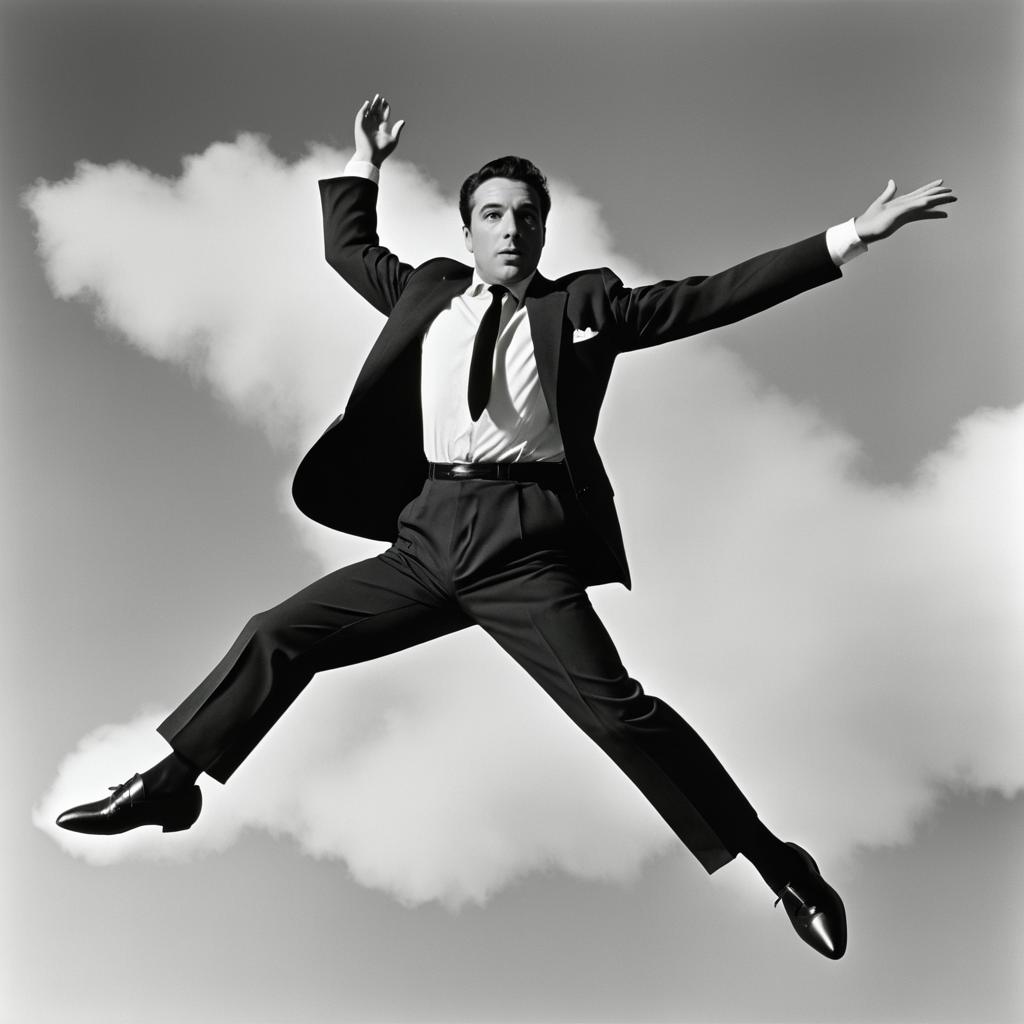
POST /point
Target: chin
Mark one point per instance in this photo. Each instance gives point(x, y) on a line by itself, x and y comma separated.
point(513, 275)
point(505, 274)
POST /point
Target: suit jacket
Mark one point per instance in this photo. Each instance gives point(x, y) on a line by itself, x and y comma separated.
point(370, 463)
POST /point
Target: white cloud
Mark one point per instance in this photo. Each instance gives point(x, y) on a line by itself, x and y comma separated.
point(844, 646)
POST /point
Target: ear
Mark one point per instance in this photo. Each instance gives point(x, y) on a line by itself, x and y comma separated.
point(467, 237)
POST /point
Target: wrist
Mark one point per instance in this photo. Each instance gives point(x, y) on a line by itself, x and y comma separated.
point(862, 232)
point(368, 157)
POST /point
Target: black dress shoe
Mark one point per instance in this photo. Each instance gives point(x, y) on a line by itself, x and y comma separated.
point(128, 807)
point(815, 909)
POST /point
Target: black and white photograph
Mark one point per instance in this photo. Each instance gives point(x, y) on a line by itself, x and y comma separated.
point(512, 511)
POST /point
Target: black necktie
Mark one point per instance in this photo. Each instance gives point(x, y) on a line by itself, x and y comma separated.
point(483, 354)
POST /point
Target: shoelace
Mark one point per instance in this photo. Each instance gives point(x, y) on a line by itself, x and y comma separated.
point(811, 908)
point(114, 789)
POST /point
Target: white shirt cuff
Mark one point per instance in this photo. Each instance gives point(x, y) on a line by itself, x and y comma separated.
point(362, 169)
point(844, 244)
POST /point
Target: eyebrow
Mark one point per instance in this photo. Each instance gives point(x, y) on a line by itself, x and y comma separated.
point(528, 205)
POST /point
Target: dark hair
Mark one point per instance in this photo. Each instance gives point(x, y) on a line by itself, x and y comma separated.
point(516, 168)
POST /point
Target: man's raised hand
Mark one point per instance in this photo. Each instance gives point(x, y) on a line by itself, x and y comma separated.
point(375, 136)
point(890, 212)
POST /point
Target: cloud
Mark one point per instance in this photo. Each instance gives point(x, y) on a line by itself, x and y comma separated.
point(847, 648)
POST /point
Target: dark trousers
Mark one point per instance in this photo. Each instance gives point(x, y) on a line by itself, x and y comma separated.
point(485, 552)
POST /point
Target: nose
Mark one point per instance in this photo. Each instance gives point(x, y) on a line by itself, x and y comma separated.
point(510, 227)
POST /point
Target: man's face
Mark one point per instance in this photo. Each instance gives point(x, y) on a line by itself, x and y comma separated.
point(506, 232)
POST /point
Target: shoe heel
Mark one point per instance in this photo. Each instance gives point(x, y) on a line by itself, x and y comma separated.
point(185, 817)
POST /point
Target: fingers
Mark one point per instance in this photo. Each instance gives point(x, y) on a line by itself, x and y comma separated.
point(928, 201)
point(397, 130)
point(888, 192)
point(934, 195)
point(932, 192)
point(924, 188)
point(376, 113)
point(379, 108)
point(912, 217)
point(915, 212)
point(371, 109)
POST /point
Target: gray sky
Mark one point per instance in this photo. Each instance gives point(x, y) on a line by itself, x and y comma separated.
point(833, 606)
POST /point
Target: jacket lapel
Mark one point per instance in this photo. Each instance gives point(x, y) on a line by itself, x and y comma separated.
point(424, 297)
point(546, 309)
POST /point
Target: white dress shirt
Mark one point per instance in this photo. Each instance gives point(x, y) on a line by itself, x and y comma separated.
point(516, 425)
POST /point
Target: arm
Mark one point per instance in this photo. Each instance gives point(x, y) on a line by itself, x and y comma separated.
point(351, 244)
point(669, 310)
point(676, 309)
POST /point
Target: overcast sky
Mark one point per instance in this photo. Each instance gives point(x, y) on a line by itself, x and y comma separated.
point(834, 603)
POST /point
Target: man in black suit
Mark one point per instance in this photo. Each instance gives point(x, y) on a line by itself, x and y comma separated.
point(468, 443)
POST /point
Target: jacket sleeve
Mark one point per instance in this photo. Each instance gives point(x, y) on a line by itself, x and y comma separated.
point(351, 245)
point(657, 313)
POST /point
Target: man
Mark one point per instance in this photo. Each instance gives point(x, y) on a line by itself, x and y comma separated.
point(468, 443)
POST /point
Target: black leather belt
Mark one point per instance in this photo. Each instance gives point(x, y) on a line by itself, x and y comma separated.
point(551, 473)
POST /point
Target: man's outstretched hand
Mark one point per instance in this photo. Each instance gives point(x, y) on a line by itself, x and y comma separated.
point(375, 136)
point(890, 212)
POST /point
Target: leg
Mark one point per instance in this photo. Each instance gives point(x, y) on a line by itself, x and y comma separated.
point(550, 627)
point(540, 614)
point(355, 614)
point(536, 608)
point(360, 612)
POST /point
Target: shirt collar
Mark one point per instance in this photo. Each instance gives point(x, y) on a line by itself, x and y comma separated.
point(518, 290)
